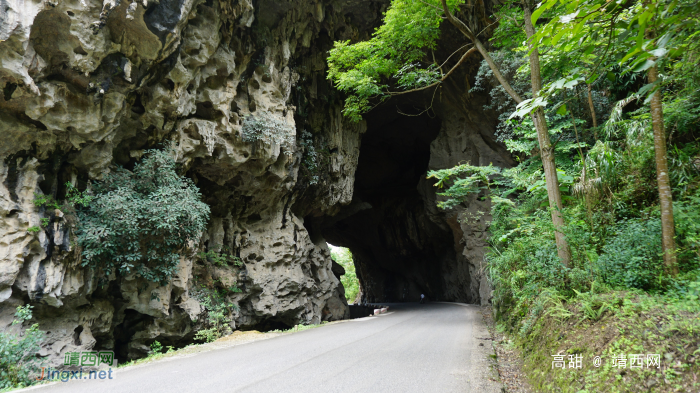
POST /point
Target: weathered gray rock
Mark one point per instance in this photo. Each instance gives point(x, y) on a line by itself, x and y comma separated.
point(89, 85)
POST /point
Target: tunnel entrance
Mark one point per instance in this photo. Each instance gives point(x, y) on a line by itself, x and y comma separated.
point(400, 248)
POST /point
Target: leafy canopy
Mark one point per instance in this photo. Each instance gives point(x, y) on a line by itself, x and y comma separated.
point(593, 35)
point(394, 55)
point(140, 221)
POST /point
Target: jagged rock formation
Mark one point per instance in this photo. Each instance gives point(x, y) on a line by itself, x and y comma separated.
point(89, 85)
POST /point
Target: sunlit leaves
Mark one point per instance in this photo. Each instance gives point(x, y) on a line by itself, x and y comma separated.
point(462, 181)
point(412, 76)
point(615, 32)
point(367, 69)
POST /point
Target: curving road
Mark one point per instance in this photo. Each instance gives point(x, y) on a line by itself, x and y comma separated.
point(435, 347)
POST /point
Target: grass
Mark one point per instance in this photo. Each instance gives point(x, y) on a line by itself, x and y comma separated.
point(608, 325)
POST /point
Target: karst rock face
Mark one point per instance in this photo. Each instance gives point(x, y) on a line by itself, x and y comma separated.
point(88, 86)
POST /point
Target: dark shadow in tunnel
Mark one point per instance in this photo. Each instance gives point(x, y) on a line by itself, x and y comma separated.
point(399, 252)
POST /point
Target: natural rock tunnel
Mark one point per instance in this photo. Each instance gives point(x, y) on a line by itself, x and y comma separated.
point(402, 244)
point(398, 251)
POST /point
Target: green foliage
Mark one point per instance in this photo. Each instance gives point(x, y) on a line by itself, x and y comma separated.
point(268, 129)
point(313, 158)
point(218, 310)
point(33, 229)
point(510, 33)
point(395, 55)
point(464, 180)
point(221, 258)
point(411, 76)
point(156, 347)
point(140, 221)
point(76, 197)
point(599, 32)
point(19, 357)
point(45, 222)
point(632, 257)
point(343, 257)
point(687, 218)
point(593, 305)
point(45, 201)
point(22, 314)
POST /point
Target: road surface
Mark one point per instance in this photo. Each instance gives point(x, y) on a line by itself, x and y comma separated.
point(436, 347)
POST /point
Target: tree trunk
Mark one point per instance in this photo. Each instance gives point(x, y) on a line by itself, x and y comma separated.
point(668, 231)
point(482, 50)
point(546, 148)
point(590, 104)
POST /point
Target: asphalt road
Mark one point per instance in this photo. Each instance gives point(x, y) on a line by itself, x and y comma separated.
point(436, 347)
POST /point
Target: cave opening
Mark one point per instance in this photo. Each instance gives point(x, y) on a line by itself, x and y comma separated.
point(399, 247)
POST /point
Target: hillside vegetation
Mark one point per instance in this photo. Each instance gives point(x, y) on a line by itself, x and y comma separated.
point(343, 257)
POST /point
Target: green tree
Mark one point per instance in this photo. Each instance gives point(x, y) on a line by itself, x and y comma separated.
point(141, 221)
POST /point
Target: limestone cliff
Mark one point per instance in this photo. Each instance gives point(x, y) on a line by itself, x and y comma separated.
point(87, 86)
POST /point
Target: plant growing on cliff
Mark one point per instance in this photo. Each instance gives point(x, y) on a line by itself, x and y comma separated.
point(45, 201)
point(139, 222)
point(268, 129)
point(19, 357)
point(314, 158)
point(218, 310)
point(156, 347)
point(223, 258)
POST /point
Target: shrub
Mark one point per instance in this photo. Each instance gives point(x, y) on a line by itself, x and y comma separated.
point(140, 221)
point(267, 128)
point(19, 357)
point(218, 311)
point(632, 258)
point(156, 347)
point(687, 218)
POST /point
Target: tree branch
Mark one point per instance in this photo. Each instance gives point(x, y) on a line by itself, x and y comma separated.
point(480, 47)
point(461, 60)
